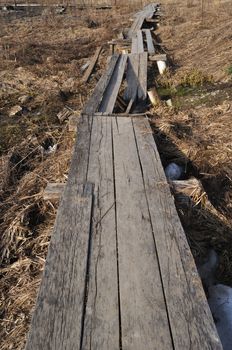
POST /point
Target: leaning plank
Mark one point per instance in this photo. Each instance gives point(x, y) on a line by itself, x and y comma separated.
point(57, 320)
point(144, 322)
point(92, 65)
point(53, 191)
point(142, 87)
point(150, 45)
point(96, 97)
point(101, 327)
point(132, 77)
point(111, 93)
point(191, 322)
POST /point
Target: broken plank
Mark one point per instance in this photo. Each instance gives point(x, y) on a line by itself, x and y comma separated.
point(191, 322)
point(142, 85)
point(57, 319)
point(101, 324)
point(150, 45)
point(53, 191)
point(64, 114)
point(144, 322)
point(91, 65)
point(96, 97)
point(111, 93)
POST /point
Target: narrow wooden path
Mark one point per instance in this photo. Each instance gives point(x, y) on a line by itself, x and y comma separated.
point(119, 272)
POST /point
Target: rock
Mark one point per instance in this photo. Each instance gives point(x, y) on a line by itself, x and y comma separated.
point(24, 99)
point(208, 269)
point(16, 110)
point(220, 303)
point(173, 171)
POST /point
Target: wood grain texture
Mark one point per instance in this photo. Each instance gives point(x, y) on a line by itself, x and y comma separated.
point(93, 62)
point(57, 320)
point(190, 318)
point(111, 93)
point(101, 329)
point(96, 97)
point(143, 312)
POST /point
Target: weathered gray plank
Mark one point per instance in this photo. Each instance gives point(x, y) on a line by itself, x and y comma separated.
point(96, 97)
point(140, 48)
point(143, 313)
point(101, 329)
point(191, 322)
point(79, 164)
point(92, 65)
point(150, 45)
point(111, 93)
point(57, 320)
point(132, 77)
point(142, 87)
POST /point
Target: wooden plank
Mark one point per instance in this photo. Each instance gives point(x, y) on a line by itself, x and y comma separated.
point(92, 65)
point(142, 86)
point(150, 45)
point(132, 77)
point(96, 97)
point(191, 322)
point(64, 114)
point(101, 329)
point(134, 45)
point(158, 57)
point(57, 320)
point(140, 48)
point(111, 93)
point(80, 158)
point(144, 320)
point(53, 191)
point(72, 123)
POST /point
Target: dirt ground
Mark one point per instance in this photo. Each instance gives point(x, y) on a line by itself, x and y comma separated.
point(40, 71)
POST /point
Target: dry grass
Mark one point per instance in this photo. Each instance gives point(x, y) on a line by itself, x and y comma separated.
point(197, 135)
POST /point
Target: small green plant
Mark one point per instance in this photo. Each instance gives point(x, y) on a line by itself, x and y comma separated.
point(229, 70)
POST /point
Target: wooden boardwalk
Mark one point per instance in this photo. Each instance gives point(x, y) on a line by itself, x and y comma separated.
point(119, 272)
